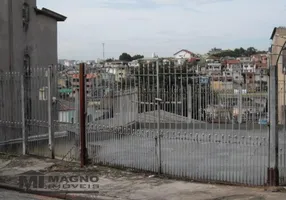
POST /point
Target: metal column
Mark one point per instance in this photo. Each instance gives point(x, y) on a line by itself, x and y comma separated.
point(159, 100)
point(82, 110)
point(273, 173)
point(23, 112)
point(50, 114)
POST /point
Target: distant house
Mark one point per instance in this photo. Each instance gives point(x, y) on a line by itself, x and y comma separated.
point(247, 64)
point(212, 59)
point(261, 75)
point(248, 67)
point(250, 81)
point(68, 113)
point(119, 68)
point(261, 79)
point(185, 54)
point(260, 60)
point(213, 67)
point(90, 83)
point(244, 59)
point(232, 65)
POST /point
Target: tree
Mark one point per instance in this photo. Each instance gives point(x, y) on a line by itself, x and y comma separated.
point(109, 59)
point(242, 52)
point(137, 56)
point(125, 57)
point(214, 51)
point(238, 52)
point(251, 51)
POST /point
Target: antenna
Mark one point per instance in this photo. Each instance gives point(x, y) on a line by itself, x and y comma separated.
point(103, 50)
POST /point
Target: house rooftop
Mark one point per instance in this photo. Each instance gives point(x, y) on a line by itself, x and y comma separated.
point(65, 105)
point(187, 51)
point(232, 61)
point(49, 13)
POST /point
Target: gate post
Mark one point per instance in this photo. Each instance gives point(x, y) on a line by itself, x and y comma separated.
point(23, 113)
point(273, 172)
point(50, 113)
point(82, 120)
point(159, 100)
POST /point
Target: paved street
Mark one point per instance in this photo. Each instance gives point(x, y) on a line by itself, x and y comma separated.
point(220, 155)
point(12, 195)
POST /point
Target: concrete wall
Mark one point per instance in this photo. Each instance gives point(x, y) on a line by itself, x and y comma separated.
point(40, 42)
point(4, 36)
point(124, 106)
point(46, 52)
point(40, 38)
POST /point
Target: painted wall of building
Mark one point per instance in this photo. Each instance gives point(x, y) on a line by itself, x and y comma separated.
point(183, 54)
point(119, 72)
point(277, 44)
point(219, 85)
point(40, 39)
point(67, 116)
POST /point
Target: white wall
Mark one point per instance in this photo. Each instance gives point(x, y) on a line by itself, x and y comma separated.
point(262, 77)
point(183, 54)
point(248, 68)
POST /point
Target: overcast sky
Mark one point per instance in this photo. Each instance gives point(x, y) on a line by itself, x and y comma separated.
point(163, 26)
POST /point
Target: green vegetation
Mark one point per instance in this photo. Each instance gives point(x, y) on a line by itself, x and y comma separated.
point(128, 57)
point(239, 52)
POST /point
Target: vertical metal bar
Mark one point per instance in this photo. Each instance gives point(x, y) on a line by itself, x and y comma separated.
point(82, 115)
point(24, 133)
point(200, 106)
point(51, 141)
point(273, 173)
point(284, 121)
point(260, 110)
point(158, 122)
point(240, 104)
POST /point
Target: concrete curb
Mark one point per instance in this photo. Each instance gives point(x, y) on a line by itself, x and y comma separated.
point(66, 196)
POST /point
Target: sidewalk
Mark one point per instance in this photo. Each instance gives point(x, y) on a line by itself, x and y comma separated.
point(126, 185)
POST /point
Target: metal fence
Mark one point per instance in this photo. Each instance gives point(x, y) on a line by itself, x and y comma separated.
point(161, 116)
point(31, 105)
point(166, 118)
